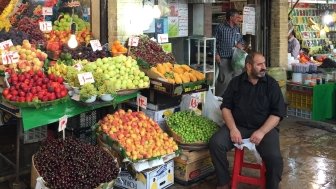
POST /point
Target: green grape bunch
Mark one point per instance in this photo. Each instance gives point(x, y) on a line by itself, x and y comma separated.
point(192, 128)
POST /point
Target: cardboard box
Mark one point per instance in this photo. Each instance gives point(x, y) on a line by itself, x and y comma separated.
point(192, 166)
point(178, 89)
point(160, 177)
point(159, 116)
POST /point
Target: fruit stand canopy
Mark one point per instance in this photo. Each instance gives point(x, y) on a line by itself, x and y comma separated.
point(32, 118)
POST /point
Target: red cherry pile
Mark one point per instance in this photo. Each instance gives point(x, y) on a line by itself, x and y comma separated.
point(34, 86)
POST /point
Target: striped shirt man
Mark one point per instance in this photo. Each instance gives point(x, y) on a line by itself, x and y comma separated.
point(226, 38)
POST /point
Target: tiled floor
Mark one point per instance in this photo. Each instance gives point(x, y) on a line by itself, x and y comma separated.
point(309, 160)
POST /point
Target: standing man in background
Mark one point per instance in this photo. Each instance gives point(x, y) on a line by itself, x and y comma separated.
point(227, 36)
point(293, 44)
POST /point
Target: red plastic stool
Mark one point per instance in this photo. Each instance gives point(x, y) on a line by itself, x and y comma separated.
point(237, 177)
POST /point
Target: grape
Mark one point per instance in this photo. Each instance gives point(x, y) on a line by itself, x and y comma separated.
point(71, 163)
point(191, 127)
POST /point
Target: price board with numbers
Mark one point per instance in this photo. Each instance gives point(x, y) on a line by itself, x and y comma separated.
point(10, 57)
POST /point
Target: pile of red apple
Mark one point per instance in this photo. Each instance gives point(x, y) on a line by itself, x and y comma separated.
point(139, 135)
point(34, 87)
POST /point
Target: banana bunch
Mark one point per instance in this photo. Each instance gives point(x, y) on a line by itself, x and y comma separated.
point(4, 21)
point(58, 69)
point(311, 23)
point(176, 73)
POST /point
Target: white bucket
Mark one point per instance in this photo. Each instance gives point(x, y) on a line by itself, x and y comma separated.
point(297, 77)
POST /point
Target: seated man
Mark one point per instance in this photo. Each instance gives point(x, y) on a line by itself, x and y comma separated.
point(252, 107)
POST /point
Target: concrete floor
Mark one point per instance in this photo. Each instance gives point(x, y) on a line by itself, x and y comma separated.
point(309, 160)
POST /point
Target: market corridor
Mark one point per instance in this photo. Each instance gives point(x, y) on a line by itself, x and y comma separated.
point(309, 160)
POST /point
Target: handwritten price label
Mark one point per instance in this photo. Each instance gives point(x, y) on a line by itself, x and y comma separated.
point(193, 103)
point(133, 41)
point(162, 38)
point(62, 122)
point(95, 44)
point(78, 66)
point(47, 11)
point(86, 77)
point(142, 101)
point(10, 57)
point(45, 26)
point(6, 44)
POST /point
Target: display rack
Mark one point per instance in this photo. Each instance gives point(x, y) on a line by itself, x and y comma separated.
point(206, 68)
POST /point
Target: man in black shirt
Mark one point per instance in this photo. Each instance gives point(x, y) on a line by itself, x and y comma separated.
point(252, 107)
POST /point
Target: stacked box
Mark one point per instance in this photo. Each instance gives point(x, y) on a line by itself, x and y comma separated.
point(193, 166)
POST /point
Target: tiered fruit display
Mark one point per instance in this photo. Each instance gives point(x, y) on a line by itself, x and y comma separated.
point(118, 48)
point(30, 58)
point(121, 70)
point(31, 27)
point(139, 135)
point(192, 128)
point(70, 163)
point(176, 73)
point(34, 86)
point(150, 51)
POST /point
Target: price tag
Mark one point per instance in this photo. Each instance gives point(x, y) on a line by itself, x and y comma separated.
point(6, 44)
point(10, 57)
point(40, 183)
point(45, 26)
point(162, 38)
point(193, 103)
point(95, 44)
point(133, 41)
point(78, 66)
point(47, 11)
point(86, 77)
point(142, 101)
point(62, 122)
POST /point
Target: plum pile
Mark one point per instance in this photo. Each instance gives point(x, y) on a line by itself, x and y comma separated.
point(71, 163)
point(190, 127)
point(85, 52)
point(151, 52)
point(15, 35)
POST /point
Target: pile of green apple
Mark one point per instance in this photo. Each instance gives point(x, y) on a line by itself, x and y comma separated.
point(64, 23)
point(121, 70)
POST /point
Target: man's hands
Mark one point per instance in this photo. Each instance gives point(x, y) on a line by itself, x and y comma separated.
point(240, 46)
point(257, 136)
point(236, 136)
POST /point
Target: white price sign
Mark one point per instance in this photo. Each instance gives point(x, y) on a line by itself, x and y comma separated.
point(142, 101)
point(162, 38)
point(6, 44)
point(45, 26)
point(86, 77)
point(62, 122)
point(95, 44)
point(133, 41)
point(78, 66)
point(10, 57)
point(193, 103)
point(47, 11)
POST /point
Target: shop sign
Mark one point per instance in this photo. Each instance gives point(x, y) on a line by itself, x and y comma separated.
point(248, 21)
point(86, 77)
point(10, 57)
point(6, 44)
point(45, 26)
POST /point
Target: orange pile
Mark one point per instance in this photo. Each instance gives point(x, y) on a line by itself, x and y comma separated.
point(118, 48)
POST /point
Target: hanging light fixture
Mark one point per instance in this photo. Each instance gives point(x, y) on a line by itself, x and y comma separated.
point(72, 42)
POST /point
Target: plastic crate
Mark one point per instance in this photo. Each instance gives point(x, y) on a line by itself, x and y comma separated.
point(35, 134)
point(298, 88)
point(83, 120)
point(299, 113)
point(302, 101)
point(86, 135)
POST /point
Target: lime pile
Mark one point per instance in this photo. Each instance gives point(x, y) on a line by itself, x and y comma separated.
point(191, 128)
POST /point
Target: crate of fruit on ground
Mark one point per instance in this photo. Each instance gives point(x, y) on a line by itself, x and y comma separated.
point(190, 130)
point(176, 79)
point(71, 163)
point(137, 138)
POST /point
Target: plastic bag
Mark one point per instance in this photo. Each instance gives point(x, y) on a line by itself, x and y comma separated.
point(211, 108)
point(238, 59)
